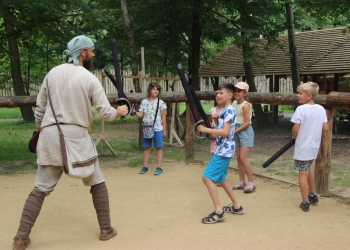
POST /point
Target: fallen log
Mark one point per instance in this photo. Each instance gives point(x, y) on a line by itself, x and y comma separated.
point(334, 100)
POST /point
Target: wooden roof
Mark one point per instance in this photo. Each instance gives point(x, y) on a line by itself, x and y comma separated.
point(319, 52)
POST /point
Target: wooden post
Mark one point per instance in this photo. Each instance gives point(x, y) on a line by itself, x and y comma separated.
point(172, 132)
point(101, 139)
point(172, 109)
point(336, 82)
point(325, 84)
point(323, 160)
point(305, 78)
point(189, 139)
point(273, 107)
point(270, 79)
point(143, 65)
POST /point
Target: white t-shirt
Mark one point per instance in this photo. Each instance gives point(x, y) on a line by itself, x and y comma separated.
point(308, 140)
point(149, 110)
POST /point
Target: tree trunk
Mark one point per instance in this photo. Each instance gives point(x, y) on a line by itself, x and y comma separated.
point(276, 88)
point(292, 47)
point(196, 43)
point(248, 69)
point(323, 160)
point(189, 138)
point(27, 112)
point(132, 44)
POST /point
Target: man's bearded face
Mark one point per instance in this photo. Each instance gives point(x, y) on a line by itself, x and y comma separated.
point(87, 63)
point(89, 56)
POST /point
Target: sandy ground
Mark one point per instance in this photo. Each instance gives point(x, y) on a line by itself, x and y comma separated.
point(164, 212)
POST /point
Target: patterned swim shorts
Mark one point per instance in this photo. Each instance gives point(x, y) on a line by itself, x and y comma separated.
point(302, 165)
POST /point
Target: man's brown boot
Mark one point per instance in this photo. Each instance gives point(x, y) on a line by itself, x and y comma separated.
point(107, 234)
point(20, 244)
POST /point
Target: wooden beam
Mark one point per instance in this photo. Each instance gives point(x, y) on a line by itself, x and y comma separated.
point(335, 100)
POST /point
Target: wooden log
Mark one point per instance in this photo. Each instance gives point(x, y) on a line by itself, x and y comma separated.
point(17, 101)
point(189, 138)
point(338, 100)
point(334, 100)
point(323, 160)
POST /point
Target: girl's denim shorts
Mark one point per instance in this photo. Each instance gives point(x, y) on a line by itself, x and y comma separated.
point(245, 138)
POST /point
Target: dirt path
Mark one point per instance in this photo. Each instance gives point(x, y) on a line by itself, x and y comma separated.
point(164, 212)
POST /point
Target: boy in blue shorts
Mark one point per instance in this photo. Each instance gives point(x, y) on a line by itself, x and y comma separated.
point(217, 168)
point(310, 120)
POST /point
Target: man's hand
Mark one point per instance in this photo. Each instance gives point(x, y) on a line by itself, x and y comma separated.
point(122, 111)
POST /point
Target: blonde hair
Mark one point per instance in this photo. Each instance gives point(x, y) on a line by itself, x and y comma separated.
point(309, 88)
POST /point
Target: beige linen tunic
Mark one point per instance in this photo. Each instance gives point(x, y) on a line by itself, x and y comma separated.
point(73, 91)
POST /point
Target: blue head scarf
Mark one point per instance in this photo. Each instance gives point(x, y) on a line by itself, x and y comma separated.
point(74, 47)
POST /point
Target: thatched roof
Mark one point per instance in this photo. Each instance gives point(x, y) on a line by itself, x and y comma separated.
point(319, 52)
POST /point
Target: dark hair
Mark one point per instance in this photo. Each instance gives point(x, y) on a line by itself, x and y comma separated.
point(228, 86)
point(151, 86)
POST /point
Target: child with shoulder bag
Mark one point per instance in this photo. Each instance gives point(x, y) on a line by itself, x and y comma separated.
point(152, 110)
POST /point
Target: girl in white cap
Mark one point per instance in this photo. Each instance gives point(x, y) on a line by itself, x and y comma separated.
point(244, 137)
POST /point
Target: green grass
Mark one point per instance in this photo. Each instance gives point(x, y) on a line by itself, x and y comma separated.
point(286, 108)
point(339, 176)
point(206, 107)
point(128, 151)
point(279, 173)
point(10, 113)
point(14, 153)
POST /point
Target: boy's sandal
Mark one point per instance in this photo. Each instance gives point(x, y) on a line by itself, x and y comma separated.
point(250, 188)
point(214, 217)
point(231, 209)
point(239, 186)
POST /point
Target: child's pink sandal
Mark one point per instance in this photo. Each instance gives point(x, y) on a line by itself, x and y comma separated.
point(250, 188)
point(239, 186)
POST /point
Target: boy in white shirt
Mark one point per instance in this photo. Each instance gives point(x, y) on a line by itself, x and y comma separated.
point(310, 120)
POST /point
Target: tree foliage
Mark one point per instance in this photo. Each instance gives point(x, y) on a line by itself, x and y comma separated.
point(163, 27)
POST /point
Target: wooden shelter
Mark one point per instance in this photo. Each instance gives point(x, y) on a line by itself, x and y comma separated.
point(323, 57)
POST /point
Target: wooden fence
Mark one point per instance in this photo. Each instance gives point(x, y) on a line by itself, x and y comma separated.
point(262, 84)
